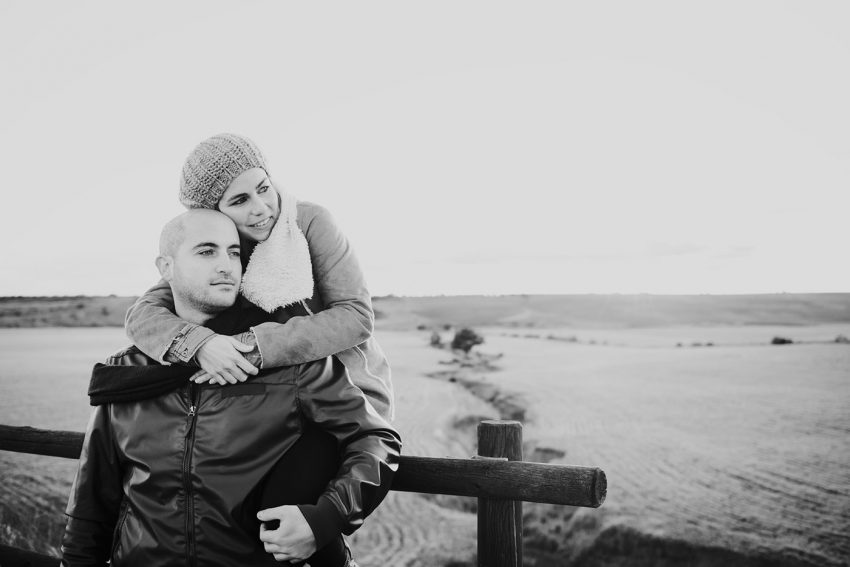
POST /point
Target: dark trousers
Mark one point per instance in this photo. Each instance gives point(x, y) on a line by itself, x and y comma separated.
point(300, 477)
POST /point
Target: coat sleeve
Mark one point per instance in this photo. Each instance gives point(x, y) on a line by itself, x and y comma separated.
point(95, 498)
point(369, 449)
point(152, 326)
point(347, 319)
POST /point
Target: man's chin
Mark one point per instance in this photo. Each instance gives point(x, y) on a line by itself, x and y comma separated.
point(221, 300)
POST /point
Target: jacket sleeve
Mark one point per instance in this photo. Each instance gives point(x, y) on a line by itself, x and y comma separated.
point(153, 327)
point(95, 498)
point(347, 319)
point(369, 449)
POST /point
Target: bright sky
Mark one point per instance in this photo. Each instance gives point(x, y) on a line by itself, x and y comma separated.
point(464, 147)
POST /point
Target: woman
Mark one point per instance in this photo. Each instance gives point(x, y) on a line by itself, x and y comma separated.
point(298, 267)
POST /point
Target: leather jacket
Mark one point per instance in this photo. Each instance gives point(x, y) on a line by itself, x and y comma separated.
point(166, 476)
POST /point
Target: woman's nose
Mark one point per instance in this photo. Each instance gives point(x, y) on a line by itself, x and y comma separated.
point(258, 206)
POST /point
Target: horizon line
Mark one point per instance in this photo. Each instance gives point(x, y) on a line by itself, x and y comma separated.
point(438, 295)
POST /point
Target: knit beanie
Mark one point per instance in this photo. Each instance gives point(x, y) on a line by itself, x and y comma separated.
point(213, 165)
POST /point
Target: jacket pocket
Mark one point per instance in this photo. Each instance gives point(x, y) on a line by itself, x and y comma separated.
point(119, 527)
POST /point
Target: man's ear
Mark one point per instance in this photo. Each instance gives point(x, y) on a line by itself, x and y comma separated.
point(165, 265)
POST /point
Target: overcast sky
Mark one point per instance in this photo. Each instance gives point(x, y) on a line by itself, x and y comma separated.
point(464, 147)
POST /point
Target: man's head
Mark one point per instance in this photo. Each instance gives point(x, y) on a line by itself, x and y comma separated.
point(199, 257)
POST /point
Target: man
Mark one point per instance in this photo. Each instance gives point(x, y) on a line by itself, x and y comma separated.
point(164, 478)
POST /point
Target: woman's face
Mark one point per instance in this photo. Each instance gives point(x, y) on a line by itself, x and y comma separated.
point(252, 203)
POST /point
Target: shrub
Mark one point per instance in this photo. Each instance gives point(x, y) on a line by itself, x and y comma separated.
point(781, 341)
point(465, 339)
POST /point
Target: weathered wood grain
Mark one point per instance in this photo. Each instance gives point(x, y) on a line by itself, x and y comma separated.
point(500, 519)
point(529, 482)
point(67, 444)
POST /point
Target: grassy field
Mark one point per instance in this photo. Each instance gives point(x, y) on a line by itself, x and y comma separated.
point(737, 454)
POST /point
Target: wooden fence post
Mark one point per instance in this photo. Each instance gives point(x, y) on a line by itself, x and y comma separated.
point(500, 521)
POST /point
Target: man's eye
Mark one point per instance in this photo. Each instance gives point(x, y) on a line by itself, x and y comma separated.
point(205, 252)
point(236, 254)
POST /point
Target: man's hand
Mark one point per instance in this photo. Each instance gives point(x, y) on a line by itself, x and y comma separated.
point(292, 540)
point(221, 358)
point(202, 376)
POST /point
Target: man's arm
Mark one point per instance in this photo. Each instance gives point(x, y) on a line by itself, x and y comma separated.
point(369, 448)
point(95, 497)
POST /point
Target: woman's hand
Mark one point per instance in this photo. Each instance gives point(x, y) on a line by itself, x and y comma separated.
point(221, 358)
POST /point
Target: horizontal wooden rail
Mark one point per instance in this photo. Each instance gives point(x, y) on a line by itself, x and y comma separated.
point(482, 478)
point(67, 444)
point(508, 480)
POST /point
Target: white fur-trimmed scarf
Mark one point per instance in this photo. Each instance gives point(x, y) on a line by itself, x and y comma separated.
point(280, 272)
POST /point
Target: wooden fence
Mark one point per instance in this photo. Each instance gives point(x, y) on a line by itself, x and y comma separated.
point(497, 476)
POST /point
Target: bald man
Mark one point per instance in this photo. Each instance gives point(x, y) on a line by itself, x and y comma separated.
point(169, 466)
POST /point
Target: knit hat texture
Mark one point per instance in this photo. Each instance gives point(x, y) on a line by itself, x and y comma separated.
point(213, 165)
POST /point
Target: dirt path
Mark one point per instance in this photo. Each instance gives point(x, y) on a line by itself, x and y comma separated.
point(408, 529)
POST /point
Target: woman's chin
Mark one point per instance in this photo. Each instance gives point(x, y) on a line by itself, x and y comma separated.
point(256, 235)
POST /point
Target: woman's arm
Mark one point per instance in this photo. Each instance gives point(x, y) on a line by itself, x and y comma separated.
point(153, 327)
point(347, 319)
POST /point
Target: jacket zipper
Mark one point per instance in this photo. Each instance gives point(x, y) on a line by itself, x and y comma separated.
point(191, 418)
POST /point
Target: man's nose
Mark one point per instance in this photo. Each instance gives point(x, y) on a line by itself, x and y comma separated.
point(224, 266)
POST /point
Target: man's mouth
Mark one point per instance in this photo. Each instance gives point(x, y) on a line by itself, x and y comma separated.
point(262, 224)
point(223, 282)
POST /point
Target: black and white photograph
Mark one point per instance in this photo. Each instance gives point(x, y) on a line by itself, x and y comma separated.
point(425, 284)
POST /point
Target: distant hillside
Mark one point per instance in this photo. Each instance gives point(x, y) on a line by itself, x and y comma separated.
point(521, 311)
point(614, 311)
point(76, 311)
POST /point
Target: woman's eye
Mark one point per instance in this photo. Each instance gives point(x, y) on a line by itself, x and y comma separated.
point(238, 201)
point(263, 189)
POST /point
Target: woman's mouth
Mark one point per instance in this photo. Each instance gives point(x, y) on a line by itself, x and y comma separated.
point(262, 224)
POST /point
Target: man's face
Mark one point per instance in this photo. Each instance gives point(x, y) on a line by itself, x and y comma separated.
point(205, 269)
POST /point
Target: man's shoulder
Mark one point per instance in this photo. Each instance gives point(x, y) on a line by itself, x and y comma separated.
point(130, 356)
